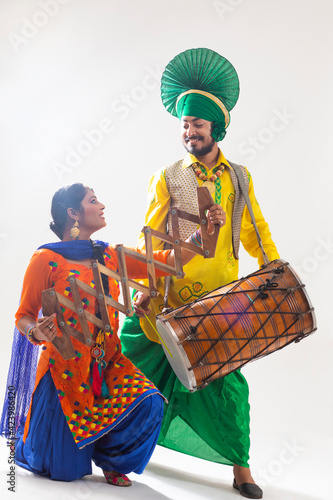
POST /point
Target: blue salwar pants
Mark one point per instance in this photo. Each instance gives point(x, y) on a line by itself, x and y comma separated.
point(50, 450)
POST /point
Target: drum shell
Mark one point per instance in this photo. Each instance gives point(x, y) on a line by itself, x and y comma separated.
point(237, 323)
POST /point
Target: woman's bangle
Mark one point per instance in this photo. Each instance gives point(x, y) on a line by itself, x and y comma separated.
point(195, 238)
point(29, 331)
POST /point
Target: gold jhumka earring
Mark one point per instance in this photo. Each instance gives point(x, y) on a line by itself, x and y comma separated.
point(75, 231)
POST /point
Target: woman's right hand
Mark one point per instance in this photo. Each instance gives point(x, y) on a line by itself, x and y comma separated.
point(45, 328)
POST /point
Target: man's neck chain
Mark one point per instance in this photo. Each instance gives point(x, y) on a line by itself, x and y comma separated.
point(200, 172)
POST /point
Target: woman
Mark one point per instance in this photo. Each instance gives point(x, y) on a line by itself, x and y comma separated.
point(87, 408)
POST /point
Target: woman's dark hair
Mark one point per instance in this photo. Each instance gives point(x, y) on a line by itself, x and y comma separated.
point(65, 197)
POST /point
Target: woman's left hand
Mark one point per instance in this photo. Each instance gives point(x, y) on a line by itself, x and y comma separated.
point(216, 215)
point(45, 329)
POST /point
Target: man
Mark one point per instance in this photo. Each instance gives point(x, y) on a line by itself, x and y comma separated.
point(200, 87)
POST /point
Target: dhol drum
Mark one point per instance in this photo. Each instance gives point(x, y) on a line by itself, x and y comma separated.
point(238, 323)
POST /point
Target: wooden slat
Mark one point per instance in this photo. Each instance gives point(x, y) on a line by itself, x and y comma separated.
point(116, 305)
point(77, 335)
point(187, 216)
point(66, 302)
point(96, 321)
point(205, 201)
point(50, 305)
point(124, 280)
point(138, 286)
point(161, 236)
point(184, 244)
point(101, 298)
point(176, 242)
point(86, 288)
point(131, 283)
point(60, 318)
point(52, 299)
point(79, 309)
point(150, 262)
point(192, 248)
point(109, 300)
point(69, 304)
point(107, 271)
point(158, 265)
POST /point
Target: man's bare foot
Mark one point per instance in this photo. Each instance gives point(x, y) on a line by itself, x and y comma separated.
point(244, 483)
point(242, 475)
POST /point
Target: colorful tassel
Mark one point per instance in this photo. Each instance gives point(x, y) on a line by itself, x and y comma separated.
point(99, 386)
point(105, 390)
point(97, 379)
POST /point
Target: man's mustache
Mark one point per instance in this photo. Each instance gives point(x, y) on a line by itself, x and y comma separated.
point(194, 137)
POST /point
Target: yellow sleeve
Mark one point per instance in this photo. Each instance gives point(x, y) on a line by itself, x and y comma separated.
point(156, 217)
point(158, 207)
point(248, 235)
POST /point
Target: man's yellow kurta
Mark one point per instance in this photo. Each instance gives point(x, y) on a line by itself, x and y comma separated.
point(212, 423)
point(203, 275)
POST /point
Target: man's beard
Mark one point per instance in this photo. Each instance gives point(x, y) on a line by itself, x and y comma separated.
point(196, 149)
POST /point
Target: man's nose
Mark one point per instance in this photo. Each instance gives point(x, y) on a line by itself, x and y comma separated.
point(190, 131)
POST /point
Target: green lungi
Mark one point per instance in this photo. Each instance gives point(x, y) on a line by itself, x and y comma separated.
point(212, 423)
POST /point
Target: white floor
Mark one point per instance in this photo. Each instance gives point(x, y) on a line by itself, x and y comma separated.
point(296, 473)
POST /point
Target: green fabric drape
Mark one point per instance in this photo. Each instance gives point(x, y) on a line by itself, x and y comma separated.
point(212, 423)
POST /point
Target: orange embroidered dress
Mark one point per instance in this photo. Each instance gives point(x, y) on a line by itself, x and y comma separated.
point(89, 417)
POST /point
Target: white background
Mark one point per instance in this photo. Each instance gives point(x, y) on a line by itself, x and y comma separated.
point(69, 67)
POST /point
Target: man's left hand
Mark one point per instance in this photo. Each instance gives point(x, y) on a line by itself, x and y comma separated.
point(216, 215)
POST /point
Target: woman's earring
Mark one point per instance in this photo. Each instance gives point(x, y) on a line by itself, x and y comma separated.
point(75, 231)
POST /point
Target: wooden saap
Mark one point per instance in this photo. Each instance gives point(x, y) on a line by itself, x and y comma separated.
point(52, 300)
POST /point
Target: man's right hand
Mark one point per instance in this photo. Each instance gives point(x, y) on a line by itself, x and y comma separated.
point(140, 304)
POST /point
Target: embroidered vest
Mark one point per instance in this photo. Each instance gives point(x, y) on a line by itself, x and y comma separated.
point(182, 185)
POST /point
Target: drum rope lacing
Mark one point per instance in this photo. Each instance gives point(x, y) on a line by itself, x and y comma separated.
point(229, 292)
point(261, 293)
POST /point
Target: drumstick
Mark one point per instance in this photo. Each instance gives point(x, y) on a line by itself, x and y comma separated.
point(159, 336)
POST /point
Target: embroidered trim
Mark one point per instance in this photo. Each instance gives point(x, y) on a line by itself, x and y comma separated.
point(212, 98)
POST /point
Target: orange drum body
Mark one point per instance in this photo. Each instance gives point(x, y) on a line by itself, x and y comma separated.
point(237, 323)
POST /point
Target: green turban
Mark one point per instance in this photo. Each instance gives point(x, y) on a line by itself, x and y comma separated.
point(201, 106)
point(201, 83)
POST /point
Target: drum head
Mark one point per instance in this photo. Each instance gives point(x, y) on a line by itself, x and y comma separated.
point(176, 355)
